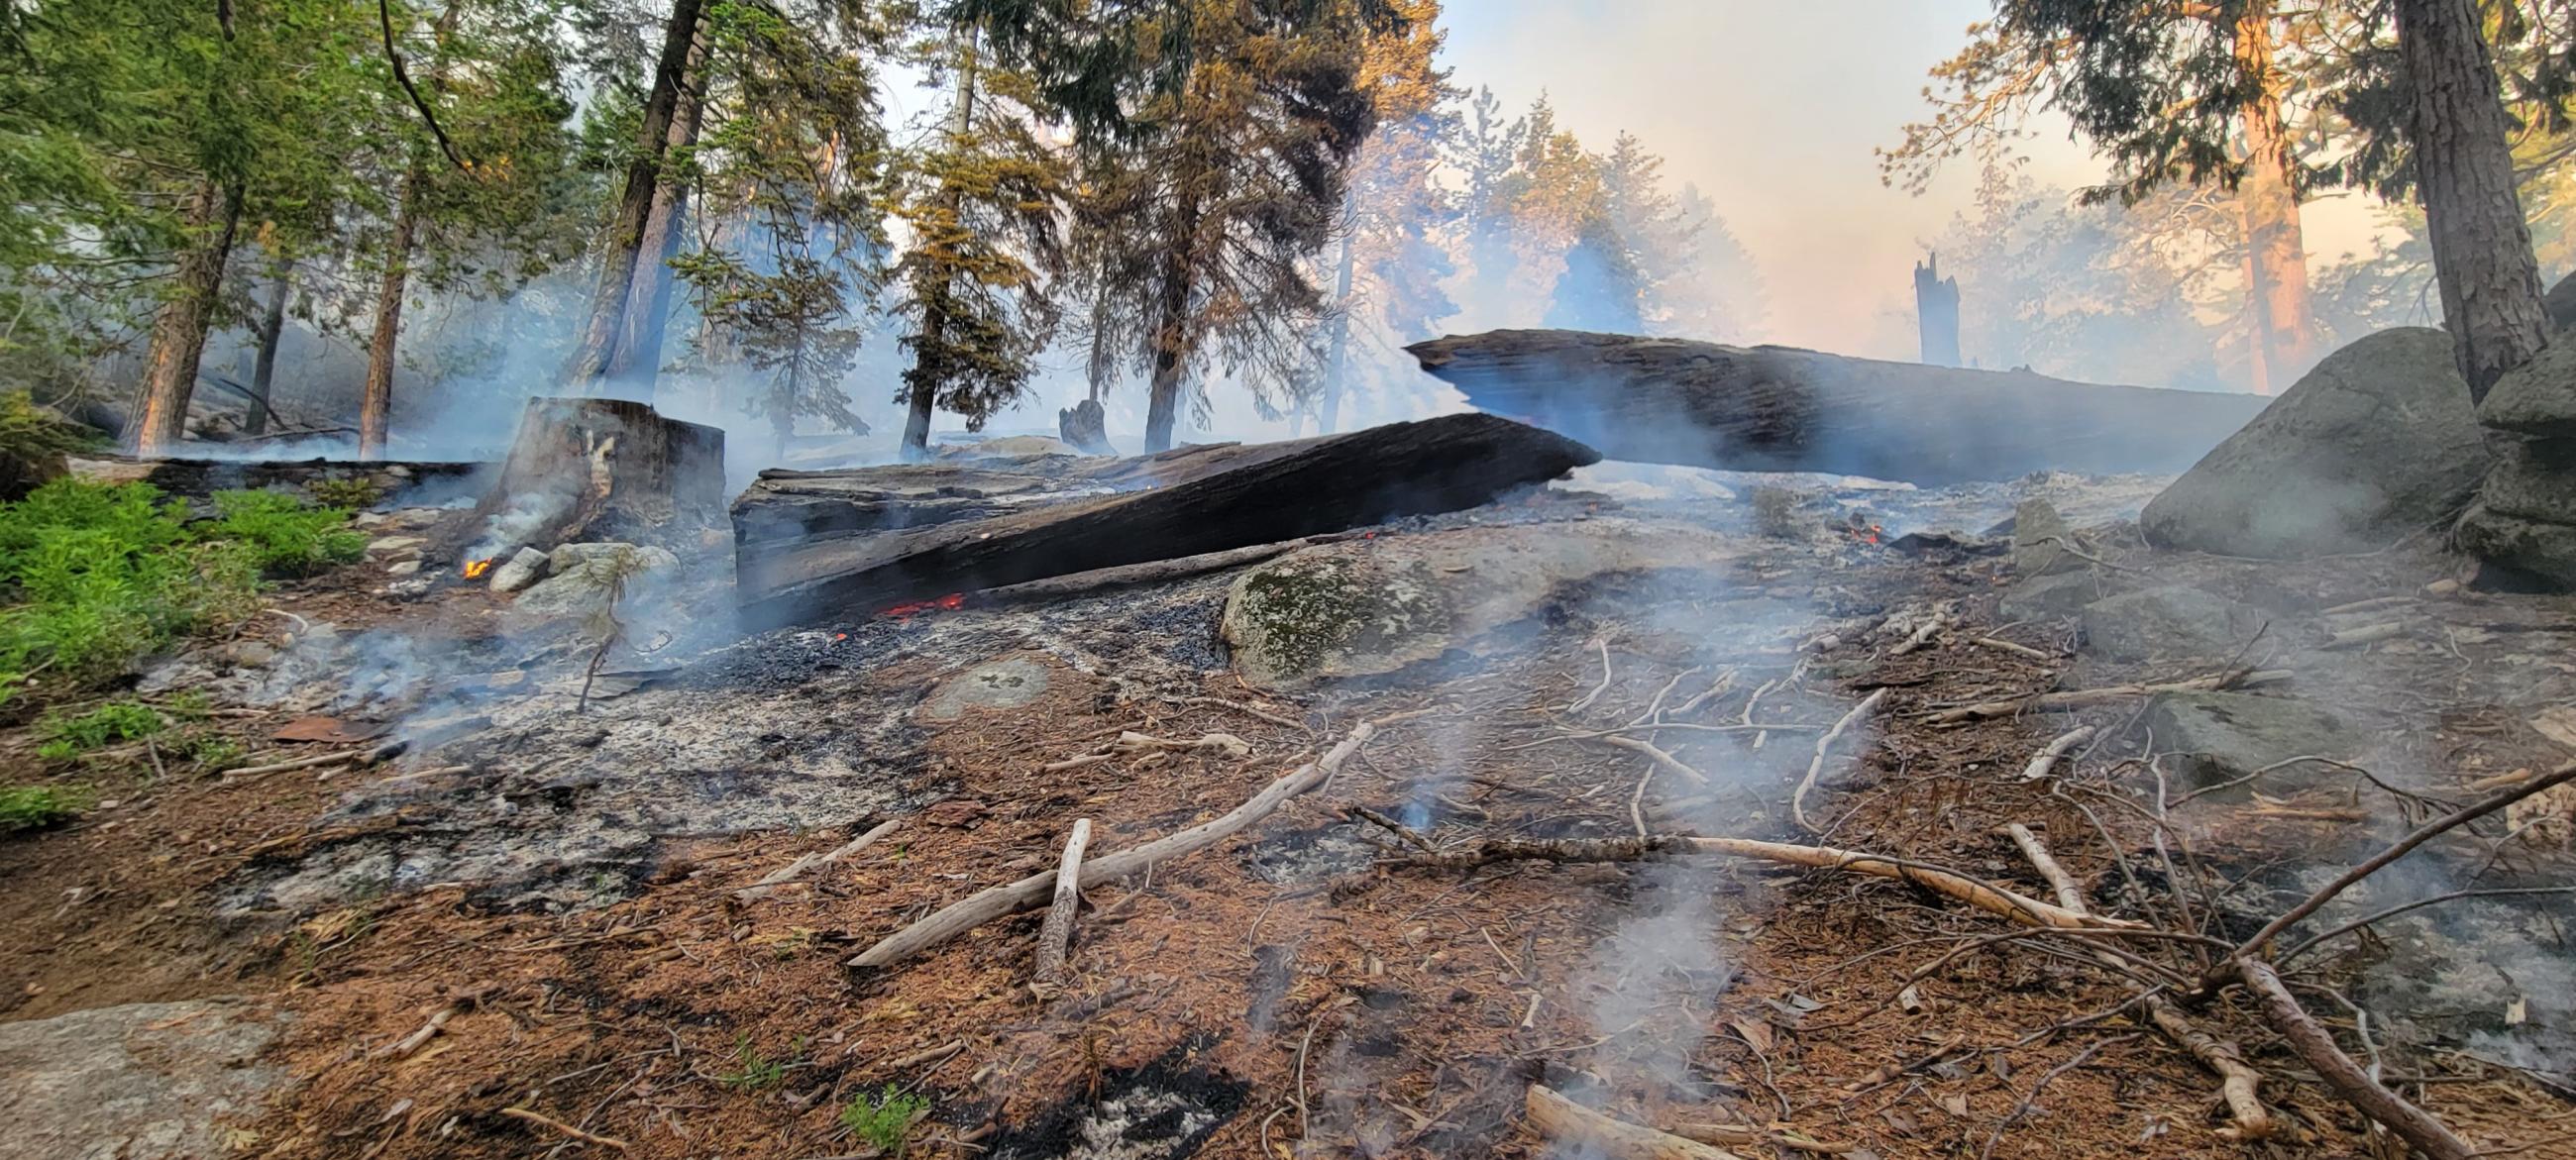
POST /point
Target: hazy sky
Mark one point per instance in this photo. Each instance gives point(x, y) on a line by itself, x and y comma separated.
point(1773, 109)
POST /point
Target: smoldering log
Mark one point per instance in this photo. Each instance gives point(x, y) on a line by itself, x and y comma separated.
point(602, 469)
point(1774, 408)
point(1256, 494)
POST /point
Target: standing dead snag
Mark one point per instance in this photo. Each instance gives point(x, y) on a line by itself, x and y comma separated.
point(602, 469)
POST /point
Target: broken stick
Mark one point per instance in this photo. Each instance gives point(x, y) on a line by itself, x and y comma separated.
point(1054, 936)
point(788, 873)
point(2046, 759)
point(1011, 898)
point(2080, 698)
point(1824, 746)
point(1558, 1118)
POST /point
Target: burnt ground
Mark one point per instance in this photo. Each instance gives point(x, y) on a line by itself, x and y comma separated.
point(557, 887)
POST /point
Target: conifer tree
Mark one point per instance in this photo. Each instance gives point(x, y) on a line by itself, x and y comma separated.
point(1483, 153)
point(1600, 288)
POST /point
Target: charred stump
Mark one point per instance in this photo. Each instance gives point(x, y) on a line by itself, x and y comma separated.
point(601, 469)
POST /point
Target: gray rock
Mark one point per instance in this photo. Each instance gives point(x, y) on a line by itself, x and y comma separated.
point(1003, 684)
point(2039, 541)
point(396, 545)
point(2540, 548)
point(2220, 737)
point(521, 571)
point(2377, 442)
point(144, 1081)
point(2536, 398)
point(583, 574)
point(2171, 621)
point(1368, 607)
point(2053, 597)
point(2560, 303)
point(403, 568)
point(2533, 478)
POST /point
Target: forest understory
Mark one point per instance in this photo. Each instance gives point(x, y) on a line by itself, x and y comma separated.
point(621, 921)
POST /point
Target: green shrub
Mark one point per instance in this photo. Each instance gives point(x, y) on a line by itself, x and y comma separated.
point(67, 737)
point(354, 493)
point(286, 536)
point(93, 576)
point(883, 1120)
point(753, 1071)
point(29, 807)
point(214, 752)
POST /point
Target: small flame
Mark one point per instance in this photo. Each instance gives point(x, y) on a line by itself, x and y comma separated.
point(474, 569)
point(948, 603)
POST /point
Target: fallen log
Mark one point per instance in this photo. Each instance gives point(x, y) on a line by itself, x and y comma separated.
point(1772, 408)
point(1056, 934)
point(1593, 1134)
point(1255, 495)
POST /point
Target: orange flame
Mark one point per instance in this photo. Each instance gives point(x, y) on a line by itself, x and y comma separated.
point(950, 602)
point(474, 569)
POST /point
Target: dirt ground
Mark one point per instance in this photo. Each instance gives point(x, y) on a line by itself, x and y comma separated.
point(1299, 989)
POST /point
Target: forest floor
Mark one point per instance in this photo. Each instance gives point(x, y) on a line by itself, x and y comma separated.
point(526, 937)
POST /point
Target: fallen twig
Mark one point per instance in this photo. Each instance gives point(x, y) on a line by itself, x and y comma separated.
point(1824, 746)
point(1658, 756)
point(2046, 759)
point(298, 763)
point(2419, 1128)
point(2010, 647)
point(996, 902)
point(788, 873)
point(2366, 634)
point(1057, 933)
point(2080, 698)
point(1392, 826)
point(544, 1120)
point(1557, 1118)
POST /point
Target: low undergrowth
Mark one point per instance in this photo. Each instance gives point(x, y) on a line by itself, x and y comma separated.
point(95, 577)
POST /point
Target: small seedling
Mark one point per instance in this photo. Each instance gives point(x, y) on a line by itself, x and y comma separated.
point(883, 1119)
point(214, 752)
point(356, 492)
point(31, 807)
point(753, 1071)
point(69, 737)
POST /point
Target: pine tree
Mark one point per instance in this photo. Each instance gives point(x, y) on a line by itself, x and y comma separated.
point(1483, 153)
point(1600, 289)
point(1711, 288)
point(982, 206)
point(1554, 192)
point(621, 244)
point(1387, 269)
point(2170, 91)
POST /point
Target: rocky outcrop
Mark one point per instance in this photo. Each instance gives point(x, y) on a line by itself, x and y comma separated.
point(2224, 737)
point(2168, 622)
point(1360, 608)
point(2375, 443)
point(2525, 518)
point(144, 1081)
point(2041, 540)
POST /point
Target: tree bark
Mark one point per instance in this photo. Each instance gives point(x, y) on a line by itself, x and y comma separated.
point(625, 237)
point(2284, 318)
point(637, 358)
point(376, 401)
point(2464, 173)
point(1171, 355)
point(272, 326)
point(179, 330)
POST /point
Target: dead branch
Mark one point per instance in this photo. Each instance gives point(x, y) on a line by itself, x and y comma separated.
point(2421, 1131)
point(771, 881)
point(1658, 756)
point(1001, 901)
point(2010, 647)
point(2239, 1084)
point(2080, 698)
point(2424, 833)
point(1588, 698)
point(412, 1042)
point(1824, 746)
point(2046, 759)
point(1747, 1136)
point(1136, 575)
point(2304, 945)
point(2023, 1107)
point(544, 1120)
point(1131, 742)
point(298, 763)
point(1557, 1118)
point(1248, 711)
point(2366, 634)
point(1057, 933)
point(1392, 826)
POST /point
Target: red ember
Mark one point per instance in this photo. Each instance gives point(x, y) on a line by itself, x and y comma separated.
point(950, 602)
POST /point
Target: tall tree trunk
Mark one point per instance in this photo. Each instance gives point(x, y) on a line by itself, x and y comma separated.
point(2464, 171)
point(2258, 358)
point(376, 401)
point(1936, 313)
point(179, 330)
point(1171, 356)
point(2283, 316)
point(1337, 358)
point(934, 314)
point(625, 233)
point(636, 360)
point(1101, 363)
point(272, 327)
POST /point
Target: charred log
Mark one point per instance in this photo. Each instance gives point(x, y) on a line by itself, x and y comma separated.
point(1181, 503)
point(1772, 408)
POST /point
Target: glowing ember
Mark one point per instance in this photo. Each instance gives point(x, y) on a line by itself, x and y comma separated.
point(474, 569)
point(950, 602)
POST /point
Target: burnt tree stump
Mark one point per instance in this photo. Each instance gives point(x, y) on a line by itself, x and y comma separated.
point(601, 469)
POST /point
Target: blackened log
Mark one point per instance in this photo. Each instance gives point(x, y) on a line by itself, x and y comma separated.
point(601, 469)
point(1183, 503)
point(1773, 408)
